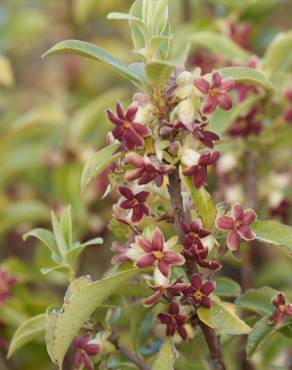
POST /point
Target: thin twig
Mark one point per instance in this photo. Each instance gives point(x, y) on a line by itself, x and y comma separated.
point(210, 335)
point(128, 354)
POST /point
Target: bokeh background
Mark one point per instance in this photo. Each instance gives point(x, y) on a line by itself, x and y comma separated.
point(52, 119)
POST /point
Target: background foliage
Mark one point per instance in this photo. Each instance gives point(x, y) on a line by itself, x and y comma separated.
point(52, 120)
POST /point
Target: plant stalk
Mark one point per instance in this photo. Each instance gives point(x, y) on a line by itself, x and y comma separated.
point(174, 189)
point(128, 354)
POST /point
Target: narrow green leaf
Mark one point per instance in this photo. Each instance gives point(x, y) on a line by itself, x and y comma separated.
point(27, 332)
point(98, 164)
point(257, 300)
point(92, 51)
point(137, 25)
point(222, 317)
point(45, 236)
point(159, 72)
point(121, 16)
point(258, 335)
point(274, 232)
point(66, 225)
point(247, 76)
point(278, 51)
point(219, 44)
point(78, 307)
point(166, 357)
point(137, 315)
point(160, 18)
point(59, 236)
point(203, 202)
point(226, 287)
point(74, 252)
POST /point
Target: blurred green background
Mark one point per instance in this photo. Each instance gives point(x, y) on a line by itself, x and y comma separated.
point(52, 119)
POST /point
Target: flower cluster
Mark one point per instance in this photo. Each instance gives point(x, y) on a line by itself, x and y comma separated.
point(157, 138)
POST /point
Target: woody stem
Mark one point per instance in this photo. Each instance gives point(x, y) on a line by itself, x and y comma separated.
point(174, 189)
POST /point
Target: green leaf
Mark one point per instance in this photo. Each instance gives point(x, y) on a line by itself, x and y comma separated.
point(74, 252)
point(222, 317)
point(226, 287)
point(28, 331)
point(66, 225)
point(137, 315)
point(137, 26)
point(46, 237)
point(59, 236)
point(92, 51)
point(257, 300)
point(121, 16)
point(159, 72)
point(160, 17)
point(77, 308)
point(259, 334)
point(278, 52)
point(219, 44)
point(247, 76)
point(166, 357)
point(98, 164)
point(203, 202)
point(274, 232)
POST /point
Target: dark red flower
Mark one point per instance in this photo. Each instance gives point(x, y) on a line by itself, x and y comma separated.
point(195, 249)
point(136, 202)
point(237, 226)
point(282, 210)
point(246, 125)
point(216, 92)
point(198, 292)
point(155, 253)
point(6, 283)
point(174, 321)
point(147, 169)
point(127, 131)
point(283, 309)
point(240, 33)
point(206, 137)
point(194, 232)
point(199, 171)
point(84, 351)
point(175, 289)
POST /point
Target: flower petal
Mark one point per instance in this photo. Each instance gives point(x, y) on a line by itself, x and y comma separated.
point(237, 212)
point(225, 223)
point(208, 287)
point(206, 302)
point(126, 192)
point(246, 233)
point(173, 258)
point(196, 281)
point(145, 261)
point(224, 101)
point(157, 240)
point(249, 216)
point(233, 240)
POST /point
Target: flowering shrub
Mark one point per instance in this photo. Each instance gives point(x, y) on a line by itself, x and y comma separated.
point(162, 153)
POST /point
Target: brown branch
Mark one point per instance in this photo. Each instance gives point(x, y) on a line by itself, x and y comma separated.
point(213, 342)
point(174, 189)
point(128, 354)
